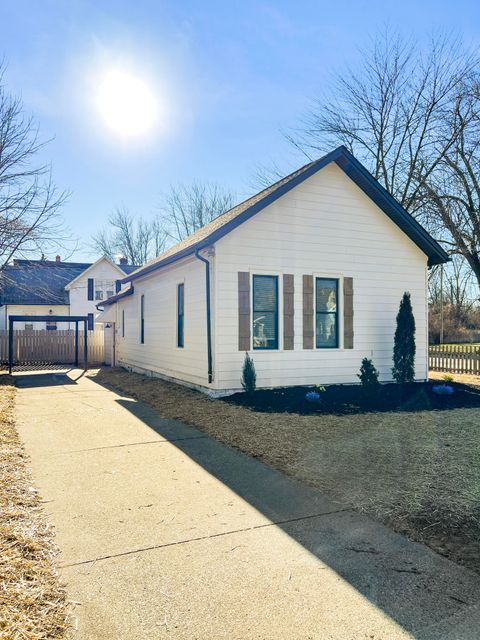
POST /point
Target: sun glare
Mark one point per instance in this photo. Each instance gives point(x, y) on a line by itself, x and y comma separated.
point(126, 103)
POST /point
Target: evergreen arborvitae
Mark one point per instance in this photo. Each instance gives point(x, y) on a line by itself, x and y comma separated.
point(404, 343)
point(249, 376)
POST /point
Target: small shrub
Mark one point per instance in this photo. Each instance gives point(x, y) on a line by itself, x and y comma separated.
point(368, 375)
point(320, 388)
point(249, 376)
point(404, 343)
point(447, 378)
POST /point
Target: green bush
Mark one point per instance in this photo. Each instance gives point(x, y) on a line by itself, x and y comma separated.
point(249, 376)
point(369, 375)
point(404, 343)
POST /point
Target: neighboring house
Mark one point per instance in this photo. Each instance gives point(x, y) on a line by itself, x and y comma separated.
point(307, 276)
point(44, 287)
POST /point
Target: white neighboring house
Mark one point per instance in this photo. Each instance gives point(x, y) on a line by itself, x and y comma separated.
point(49, 288)
point(307, 276)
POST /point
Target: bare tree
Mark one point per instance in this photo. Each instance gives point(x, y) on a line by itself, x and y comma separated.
point(451, 202)
point(410, 114)
point(184, 209)
point(29, 201)
point(393, 112)
point(136, 239)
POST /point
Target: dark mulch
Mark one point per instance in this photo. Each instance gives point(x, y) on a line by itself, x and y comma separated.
point(347, 400)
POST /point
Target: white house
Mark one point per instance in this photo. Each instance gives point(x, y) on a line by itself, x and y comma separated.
point(307, 276)
point(50, 288)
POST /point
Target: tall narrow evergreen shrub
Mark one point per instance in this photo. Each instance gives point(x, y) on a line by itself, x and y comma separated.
point(404, 343)
point(249, 376)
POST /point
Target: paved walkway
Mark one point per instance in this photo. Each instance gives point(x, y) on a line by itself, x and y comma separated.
point(167, 533)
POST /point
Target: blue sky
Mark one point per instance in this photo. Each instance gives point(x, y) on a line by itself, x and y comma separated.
point(229, 76)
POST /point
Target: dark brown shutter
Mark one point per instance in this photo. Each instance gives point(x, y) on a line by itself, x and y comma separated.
point(348, 313)
point(308, 332)
point(288, 311)
point(243, 310)
point(118, 286)
point(90, 288)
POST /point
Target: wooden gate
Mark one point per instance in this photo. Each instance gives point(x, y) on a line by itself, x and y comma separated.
point(43, 348)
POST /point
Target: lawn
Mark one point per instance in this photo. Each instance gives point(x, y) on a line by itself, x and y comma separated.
point(417, 471)
point(32, 602)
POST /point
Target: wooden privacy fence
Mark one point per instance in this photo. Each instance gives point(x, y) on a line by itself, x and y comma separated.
point(51, 347)
point(455, 358)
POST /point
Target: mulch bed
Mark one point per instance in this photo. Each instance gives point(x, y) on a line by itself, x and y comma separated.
point(33, 604)
point(345, 400)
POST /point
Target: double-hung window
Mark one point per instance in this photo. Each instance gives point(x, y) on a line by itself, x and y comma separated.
point(265, 312)
point(180, 314)
point(142, 319)
point(326, 316)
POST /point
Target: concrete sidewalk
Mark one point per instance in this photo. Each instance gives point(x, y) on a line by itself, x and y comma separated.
point(167, 533)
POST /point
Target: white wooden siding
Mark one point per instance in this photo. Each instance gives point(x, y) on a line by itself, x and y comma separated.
point(325, 227)
point(160, 354)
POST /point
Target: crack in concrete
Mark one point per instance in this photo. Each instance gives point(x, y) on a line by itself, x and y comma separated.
point(200, 538)
point(131, 444)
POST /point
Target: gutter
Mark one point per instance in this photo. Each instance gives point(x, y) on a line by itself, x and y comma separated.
point(209, 315)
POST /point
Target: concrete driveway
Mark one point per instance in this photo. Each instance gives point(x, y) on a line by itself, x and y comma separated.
point(167, 533)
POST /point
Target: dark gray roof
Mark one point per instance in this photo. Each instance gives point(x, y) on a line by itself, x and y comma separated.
point(41, 281)
point(116, 297)
point(231, 219)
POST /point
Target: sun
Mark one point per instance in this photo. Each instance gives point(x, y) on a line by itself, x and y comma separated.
point(126, 103)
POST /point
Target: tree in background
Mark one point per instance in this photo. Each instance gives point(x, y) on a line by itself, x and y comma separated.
point(410, 113)
point(184, 209)
point(134, 238)
point(404, 343)
point(30, 224)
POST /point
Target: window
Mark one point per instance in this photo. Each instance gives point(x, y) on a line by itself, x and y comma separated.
point(98, 294)
point(180, 313)
point(109, 294)
point(326, 307)
point(142, 319)
point(123, 323)
point(265, 312)
point(90, 323)
point(28, 327)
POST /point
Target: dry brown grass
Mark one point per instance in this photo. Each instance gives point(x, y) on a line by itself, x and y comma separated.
point(417, 472)
point(462, 378)
point(32, 602)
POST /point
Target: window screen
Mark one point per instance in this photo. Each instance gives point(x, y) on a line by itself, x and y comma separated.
point(326, 296)
point(265, 312)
